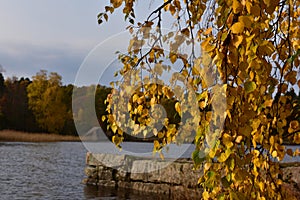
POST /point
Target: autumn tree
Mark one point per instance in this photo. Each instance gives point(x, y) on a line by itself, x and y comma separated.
point(45, 99)
point(250, 49)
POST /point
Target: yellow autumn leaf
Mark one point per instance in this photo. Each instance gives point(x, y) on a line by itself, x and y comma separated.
point(237, 40)
point(267, 2)
point(140, 109)
point(272, 6)
point(294, 125)
point(291, 77)
point(207, 166)
point(172, 9)
point(208, 31)
point(156, 144)
point(272, 141)
point(114, 128)
point(268, 103)
point(209, 47)
point(236, 6)
point(103, 118)
point(135, 98)
point(186, 32)
point(297, 138)
point(116, 3)
point(279, 182)
point(208, 116)
point(238, 139)
point(116, 140)
point(255, 10)
point(248, 6)
point(246, 20)
point(255, 124)
point(161, 134)
point(224, 156)
point(206, 42)
point(202, 104)
point(261, 186)
point(274, 154)
point(178, 107)
point(237, 28)
point(173, 58)
point(227, 140)
point(205, 195)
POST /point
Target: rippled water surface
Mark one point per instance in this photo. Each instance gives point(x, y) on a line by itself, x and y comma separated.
point(41, 170)
point(49, 171)
point(55, 171)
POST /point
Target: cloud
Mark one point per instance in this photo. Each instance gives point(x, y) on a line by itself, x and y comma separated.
point(53, 35)
point(98, 60)
point(2, 69)
point(23, 59)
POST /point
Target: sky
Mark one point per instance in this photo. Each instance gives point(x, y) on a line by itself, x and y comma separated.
point(63, 36)
point(58, 36)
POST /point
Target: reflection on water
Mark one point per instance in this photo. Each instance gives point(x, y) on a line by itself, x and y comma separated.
point(55, 171)
point(92, 192)
point(41, 170)
point(51, 171)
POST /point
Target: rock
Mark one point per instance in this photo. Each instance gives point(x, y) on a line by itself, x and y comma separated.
point(105, 174)
point(90, 171)
point(163, 189)
point(121, 175)
point(291, 174)
point(107, 160)
point(165, 172)
point(107, 183)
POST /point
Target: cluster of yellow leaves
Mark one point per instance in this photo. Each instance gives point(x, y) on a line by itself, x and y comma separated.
point(246, 54)
point(251, 48)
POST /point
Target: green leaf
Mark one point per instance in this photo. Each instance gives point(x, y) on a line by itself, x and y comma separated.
point(250, 86)
point(225, 182)
point(198, 157)
point(211, 174)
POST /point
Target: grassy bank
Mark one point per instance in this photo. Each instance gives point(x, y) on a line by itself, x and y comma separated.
point(16, 136)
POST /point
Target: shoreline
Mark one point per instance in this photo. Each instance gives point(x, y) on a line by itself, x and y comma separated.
point(18, 136)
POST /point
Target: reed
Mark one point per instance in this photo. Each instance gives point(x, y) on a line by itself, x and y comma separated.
point(17, 136)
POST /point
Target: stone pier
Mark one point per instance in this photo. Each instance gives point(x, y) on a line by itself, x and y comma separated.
point(176, 180)
point(167, 178)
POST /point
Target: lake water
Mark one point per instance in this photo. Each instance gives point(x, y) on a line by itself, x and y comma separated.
point(55, 171)
point(49, 171)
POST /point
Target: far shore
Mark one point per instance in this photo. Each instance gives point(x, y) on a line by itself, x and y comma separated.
point(18, 136)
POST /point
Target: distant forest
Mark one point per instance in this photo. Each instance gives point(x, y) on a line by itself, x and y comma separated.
point(43, 104)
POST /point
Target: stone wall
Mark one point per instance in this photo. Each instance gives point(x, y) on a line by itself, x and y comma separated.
point(172, 179)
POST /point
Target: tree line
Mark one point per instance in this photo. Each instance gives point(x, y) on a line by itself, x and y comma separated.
point(43, 104)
